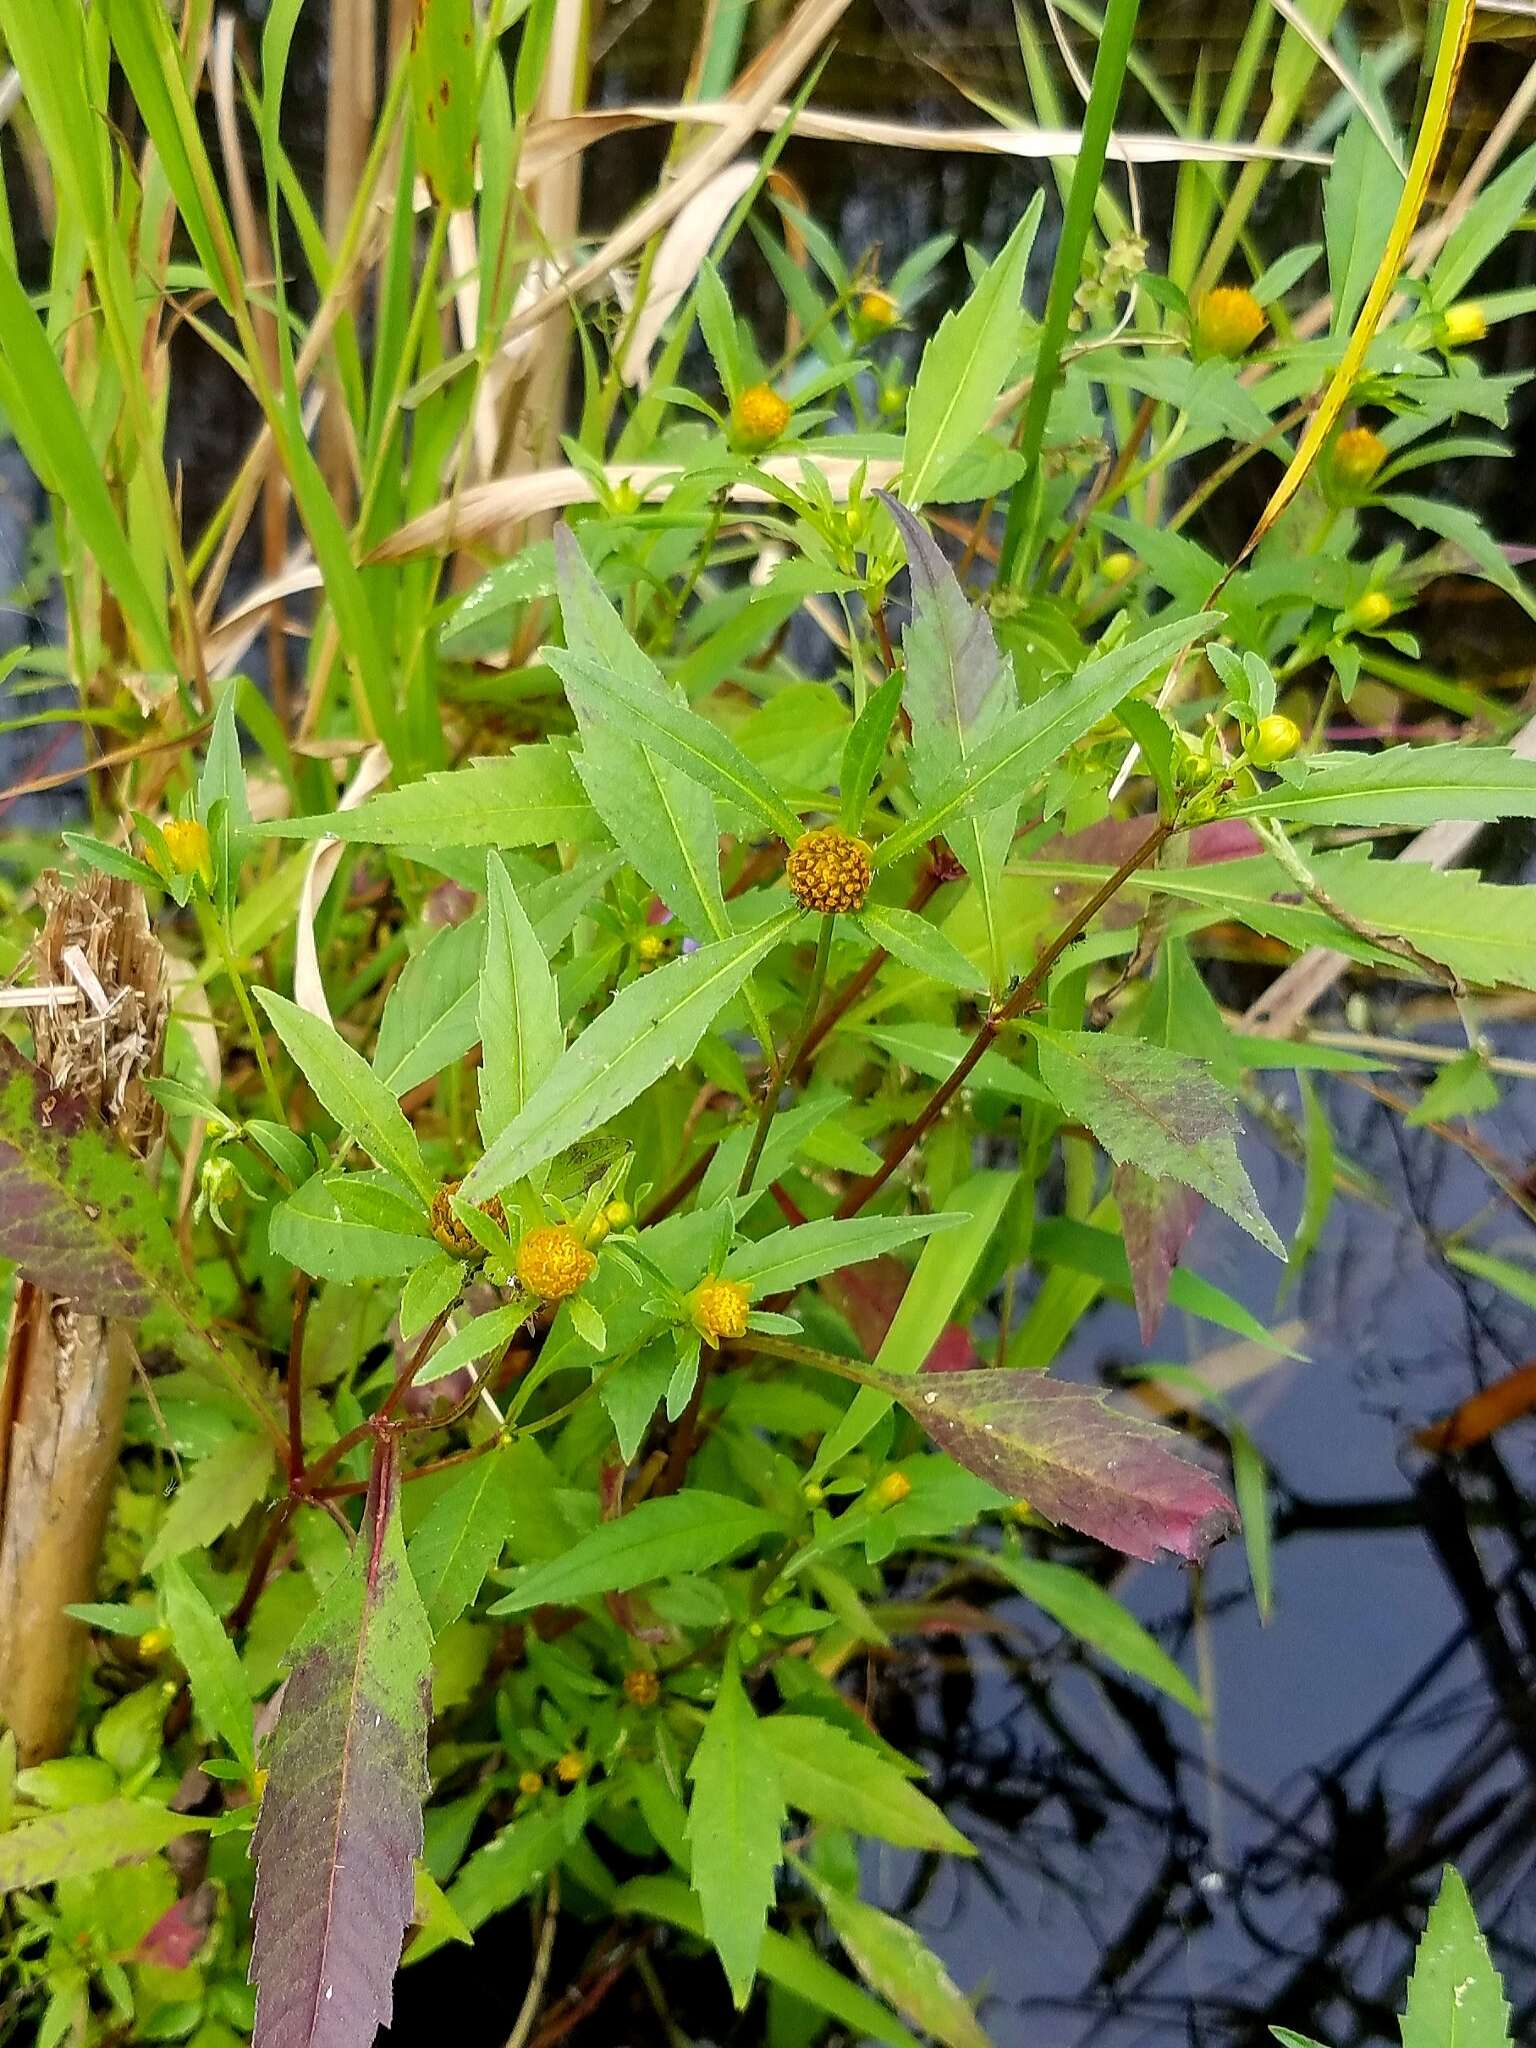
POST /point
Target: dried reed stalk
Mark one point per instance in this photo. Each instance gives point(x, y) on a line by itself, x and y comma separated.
point(68, 1374)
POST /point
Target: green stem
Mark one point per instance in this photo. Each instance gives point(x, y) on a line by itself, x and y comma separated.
point(212, 927)
point(1103, 100)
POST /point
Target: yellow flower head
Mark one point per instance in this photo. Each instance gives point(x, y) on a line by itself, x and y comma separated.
point(892, 1489)
point(1228, 321)
point(829, 870)
point(720, 1309)
point(1357, 455)
point(642, 1688)
point(571, 1768)
point(529, 1783)
point(759, 416)
point(1276, 738)
point(186, 844)
point(1463, 323)
point(878, 310)
point(1373, 610)
point(552, 1262)
point(457, 1237)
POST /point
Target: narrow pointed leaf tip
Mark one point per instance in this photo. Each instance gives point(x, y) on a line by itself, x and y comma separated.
point(340, 1824)
point(1126, 1482)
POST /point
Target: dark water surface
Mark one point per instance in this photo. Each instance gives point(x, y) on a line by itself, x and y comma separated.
point(1146, 1881)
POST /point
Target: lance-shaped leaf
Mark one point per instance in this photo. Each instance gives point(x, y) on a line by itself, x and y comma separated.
point(1007, 764)
point(658, 1539)
point(1111, 1475)
point(959, 688)
point(735, 1826)
point(665, 822)
point(519, 1012)
point(788, 1258)
point(530, 797)
point(1156, 1218)
point(1455, 1997)
point(340, 1818)
point(1154, 1109)
point(898, 1963)
point(86, 1839)
point(648, 1027)
point(348, 1087)
point(77, 1212)
point(1399, 786)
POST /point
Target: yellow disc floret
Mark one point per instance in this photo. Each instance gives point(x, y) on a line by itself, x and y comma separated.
point(1357, 455)
point(1461, 324)
point(457, 1237)
point(759, 416)
point(552, 1262)
point(829, 870)
point(1275, 738)
point(571, 1768)
point(642, 1688)
point(720, 1310)
point(1228, 321)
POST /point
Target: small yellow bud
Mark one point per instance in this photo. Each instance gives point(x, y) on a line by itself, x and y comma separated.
point(878, 310)
point(571, 1768)
point(642, 1688)
point(154, 1643)
point(1228, 321)
point(1461, 324)
point(457, 1237)
point(813, 1493)
point(1357, 455)
point(720, 1310)
point(1373, 610)
point(759, 416)
point(187, 848)
point(552, 1262)
point(530, 1783)
point(829, 870)
point(596, 1231)
point(1117, 566)
point(1275, 738)
point(618, 1215)
point(892, 1489)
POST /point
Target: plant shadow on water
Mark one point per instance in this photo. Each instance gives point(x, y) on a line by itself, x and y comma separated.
point(1144, 1880)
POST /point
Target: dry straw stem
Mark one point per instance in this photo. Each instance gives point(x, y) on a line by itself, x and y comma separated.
point(68, 1374)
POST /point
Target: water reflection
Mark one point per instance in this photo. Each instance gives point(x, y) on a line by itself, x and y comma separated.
point(1144, 1880)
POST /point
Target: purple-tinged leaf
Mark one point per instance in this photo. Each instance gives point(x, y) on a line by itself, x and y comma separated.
point(1156, 1109)
point(1113, 1476)
point(340, 1822)
point(78, 1215)
point(1156, 1218)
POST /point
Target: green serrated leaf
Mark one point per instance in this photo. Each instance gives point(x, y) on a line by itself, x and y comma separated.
point(219, 1691)
point(651, 1025)
point(520, 1034)
point(1455, 1998)
point(349, 1089)
point(735, 1828)
point(217, 1493)
point(658, 1539)
point(826, 1773)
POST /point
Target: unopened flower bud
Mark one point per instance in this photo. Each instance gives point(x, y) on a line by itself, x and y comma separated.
point(1275, 738)
point(759, 416)
point(1228, 321)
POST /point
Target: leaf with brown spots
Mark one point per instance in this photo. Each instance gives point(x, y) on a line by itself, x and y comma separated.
point(78, 1214)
